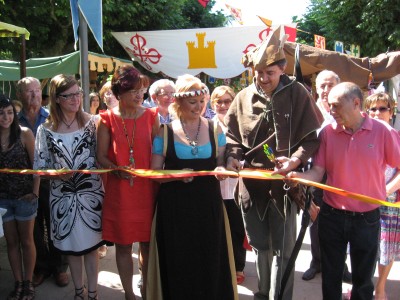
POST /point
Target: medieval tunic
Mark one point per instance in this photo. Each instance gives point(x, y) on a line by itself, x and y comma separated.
point(287, 122)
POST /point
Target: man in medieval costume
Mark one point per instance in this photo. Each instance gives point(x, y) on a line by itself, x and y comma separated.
point(278, 111)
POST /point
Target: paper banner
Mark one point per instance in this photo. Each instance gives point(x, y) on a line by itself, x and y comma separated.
point(246, 173)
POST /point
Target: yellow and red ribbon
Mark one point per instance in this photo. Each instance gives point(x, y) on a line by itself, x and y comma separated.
point(246, 173)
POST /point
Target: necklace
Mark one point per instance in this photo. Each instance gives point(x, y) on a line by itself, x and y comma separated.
point(194, 143)
point(68, 125)
point(130, 144)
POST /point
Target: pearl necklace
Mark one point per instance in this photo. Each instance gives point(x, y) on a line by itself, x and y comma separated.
point(194, 143)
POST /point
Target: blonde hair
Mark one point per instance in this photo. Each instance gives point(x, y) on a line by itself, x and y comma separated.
point(184, 83)
point(384, 97)
point(59, 84)
point(105, 88)
point(219, 91)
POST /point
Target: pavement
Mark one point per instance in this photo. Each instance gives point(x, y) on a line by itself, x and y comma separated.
point(110, 286)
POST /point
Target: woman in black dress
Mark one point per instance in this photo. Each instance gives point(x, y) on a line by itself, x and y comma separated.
point(194, 250)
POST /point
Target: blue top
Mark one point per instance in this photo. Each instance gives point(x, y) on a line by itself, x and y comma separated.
point(183, 151)
point(43, 114)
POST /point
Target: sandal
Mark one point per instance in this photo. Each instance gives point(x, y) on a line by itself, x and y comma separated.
point(79, 293)
point(17, 292)
point(94, 297)
point(28, 292)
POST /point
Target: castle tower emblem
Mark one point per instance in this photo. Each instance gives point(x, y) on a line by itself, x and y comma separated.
point(201, 57)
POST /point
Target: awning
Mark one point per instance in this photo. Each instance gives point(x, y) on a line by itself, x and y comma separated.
point(8, 30)
point(65, 64)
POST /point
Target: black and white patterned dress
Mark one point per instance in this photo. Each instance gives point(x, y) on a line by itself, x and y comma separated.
point(75, 204)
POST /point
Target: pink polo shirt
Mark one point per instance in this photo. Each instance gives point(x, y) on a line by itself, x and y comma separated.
point(356, 162)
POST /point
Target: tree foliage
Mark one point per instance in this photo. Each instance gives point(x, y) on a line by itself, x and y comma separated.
point(372, 24)
point(50, 25)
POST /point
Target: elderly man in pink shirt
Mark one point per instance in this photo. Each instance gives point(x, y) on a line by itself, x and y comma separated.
point(354, 153)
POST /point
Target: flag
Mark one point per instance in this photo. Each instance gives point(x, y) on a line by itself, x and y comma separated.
point(339, 46)
point(265, 21)
point(292, 32)
point(236, 13)
point(75, 20)
point(355, 50)
point(319, 41)
point(92, 11)
point(204, 2)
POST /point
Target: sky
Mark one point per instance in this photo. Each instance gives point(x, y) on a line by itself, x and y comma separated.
point(279, 11)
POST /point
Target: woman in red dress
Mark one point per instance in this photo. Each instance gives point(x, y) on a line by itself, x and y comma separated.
point(125, 136)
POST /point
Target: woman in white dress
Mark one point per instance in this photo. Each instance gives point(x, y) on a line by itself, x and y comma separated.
point(68, 140)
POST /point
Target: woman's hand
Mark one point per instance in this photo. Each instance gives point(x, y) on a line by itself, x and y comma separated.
point(187, 179)
point(220, 177)
point(122, 174)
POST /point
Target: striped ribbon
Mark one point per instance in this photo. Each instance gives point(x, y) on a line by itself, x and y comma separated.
point(246, 173)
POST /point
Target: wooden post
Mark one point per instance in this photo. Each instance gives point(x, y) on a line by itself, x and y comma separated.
point(22, 65)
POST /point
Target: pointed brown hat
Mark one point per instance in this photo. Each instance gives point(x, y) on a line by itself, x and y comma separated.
point(268, 52)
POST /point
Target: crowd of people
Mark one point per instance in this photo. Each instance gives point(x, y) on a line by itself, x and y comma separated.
point(191, 230)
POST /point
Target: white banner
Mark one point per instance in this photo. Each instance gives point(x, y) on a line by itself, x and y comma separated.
point(214, 51)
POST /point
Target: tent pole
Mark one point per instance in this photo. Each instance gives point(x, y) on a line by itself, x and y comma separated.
point(83, 47)
point(23, 57)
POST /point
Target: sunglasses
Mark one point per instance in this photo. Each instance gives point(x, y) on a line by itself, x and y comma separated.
point(381, 109)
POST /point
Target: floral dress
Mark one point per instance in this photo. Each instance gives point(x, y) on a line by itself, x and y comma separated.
point(390, 226)
point(76, 203)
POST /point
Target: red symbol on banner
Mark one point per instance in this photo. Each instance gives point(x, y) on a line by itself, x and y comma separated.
point(265, 32)
point(249, 48)
point(262, 35)
point(144, 54)
point(319, 41)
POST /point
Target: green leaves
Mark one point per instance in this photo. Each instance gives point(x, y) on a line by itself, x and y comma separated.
point(50, 25)
point(374, 25)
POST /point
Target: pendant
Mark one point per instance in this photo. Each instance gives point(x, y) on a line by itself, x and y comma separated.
point(195, 150)
point(131, 181)
point(131, 158)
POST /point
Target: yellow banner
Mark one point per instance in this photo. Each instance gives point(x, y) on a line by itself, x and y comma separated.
point(246, 173)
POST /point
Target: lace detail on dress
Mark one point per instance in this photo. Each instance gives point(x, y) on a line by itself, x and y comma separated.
point(14, 186)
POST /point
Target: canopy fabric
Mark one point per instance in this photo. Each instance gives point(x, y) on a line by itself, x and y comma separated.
point(8, 30)
point(66, 64)
point(218, 52)
point(41, 67)
point(349, 68)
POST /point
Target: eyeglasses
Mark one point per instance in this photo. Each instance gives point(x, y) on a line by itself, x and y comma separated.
point(226, 102)
point(381, 109)
point(137, 92)
point(69, 97)
point(166, 94)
